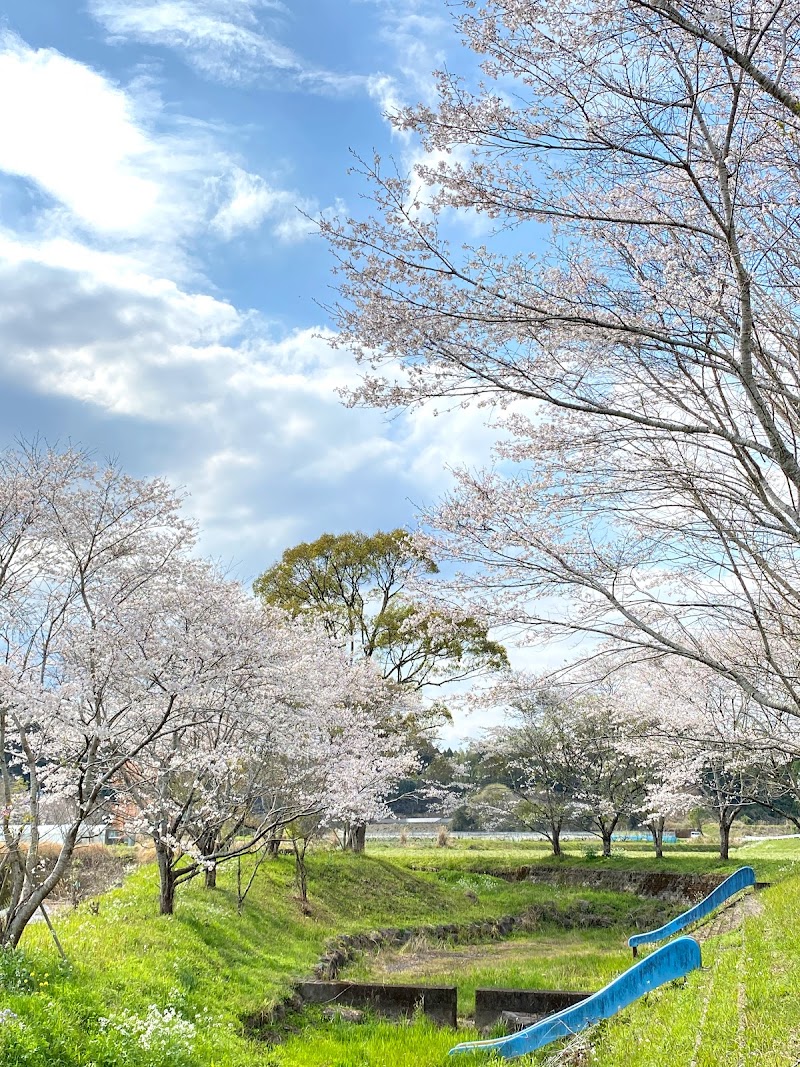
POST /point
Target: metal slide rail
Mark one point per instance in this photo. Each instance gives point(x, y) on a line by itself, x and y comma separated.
point(665, 964)
point(738, 881)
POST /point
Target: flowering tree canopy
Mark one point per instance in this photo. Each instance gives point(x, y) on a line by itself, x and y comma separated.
point(705, 744)
point(135, 679)
point(647, 489)
point(534, 756)
point(279, 725)
point(88, 558)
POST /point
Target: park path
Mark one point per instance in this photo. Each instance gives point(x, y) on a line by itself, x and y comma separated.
point(729, 917)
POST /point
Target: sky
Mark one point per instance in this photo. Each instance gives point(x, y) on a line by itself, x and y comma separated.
point(161, 166)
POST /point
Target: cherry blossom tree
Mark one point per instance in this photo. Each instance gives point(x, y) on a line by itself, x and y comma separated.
point(134, 678)
point(340, 765)
point(644, 364)
point(87, 556)
point(361, 589)
point(668, 793)
point(569, 755)
point(200, 789)
point(777, 787)
point(534, 755)
point(608, 775)
point(281, 730)
point(712, 741)
point(652, 736)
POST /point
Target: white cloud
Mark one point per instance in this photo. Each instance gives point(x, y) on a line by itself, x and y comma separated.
point(223, 39)
point(75, 135)
point(343, 460)
point(258, 433)
point(122, 170)
point(418, 32)
point(103, 302)
point(88, 325)
point(385, 91)
point(436, 443)
point(251, 200)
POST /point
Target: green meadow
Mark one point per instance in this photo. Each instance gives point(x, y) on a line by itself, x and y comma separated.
point(141, 990)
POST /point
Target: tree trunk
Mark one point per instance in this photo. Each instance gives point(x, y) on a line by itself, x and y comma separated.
point(166, 876)
point(13, 882)
point(606, 825)
point(273, 845)
point(209, 845)
point(20, 918)
point(555, 839)
point(657, 831)
point(33, 895)
point(300, 874)
point(724, 838)
point(356, 837)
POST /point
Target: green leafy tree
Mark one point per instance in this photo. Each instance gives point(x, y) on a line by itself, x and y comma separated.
point(356, 584)
point(359, 587)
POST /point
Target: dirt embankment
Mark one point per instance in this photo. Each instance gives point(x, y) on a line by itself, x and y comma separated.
point(663, 885)
point(728, 917)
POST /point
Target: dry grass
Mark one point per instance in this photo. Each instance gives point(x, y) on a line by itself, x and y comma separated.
point(94, 868)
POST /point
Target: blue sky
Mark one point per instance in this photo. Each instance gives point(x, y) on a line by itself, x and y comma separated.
point(159, 284)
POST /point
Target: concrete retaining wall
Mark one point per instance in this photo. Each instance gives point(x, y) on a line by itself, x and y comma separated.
point(491, 1003)
point(396, 1001)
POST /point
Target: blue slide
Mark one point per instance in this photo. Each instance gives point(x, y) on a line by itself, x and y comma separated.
point(665, 964)
point(738, 881)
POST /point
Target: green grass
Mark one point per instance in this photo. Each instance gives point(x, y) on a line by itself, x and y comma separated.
point(553, 958)
point(773, 860)
point(213, 968)
point(662, 1030)
point(209, 968)
point(375, 1044)
point(741, 1008)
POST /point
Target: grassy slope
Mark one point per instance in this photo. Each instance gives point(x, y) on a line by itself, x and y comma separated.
point(213, 967)
point(741, 1008)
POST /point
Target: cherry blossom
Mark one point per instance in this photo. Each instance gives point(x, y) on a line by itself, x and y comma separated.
point(643, 366)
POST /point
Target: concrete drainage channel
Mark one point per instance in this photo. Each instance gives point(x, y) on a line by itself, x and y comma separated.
point(348, 1000)
point(270, 1025)
point(515, 1008)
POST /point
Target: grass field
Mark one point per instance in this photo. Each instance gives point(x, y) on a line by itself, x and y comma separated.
point(552, 959)
point(740, 1009)
point(773, 859)
point(144, 990)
